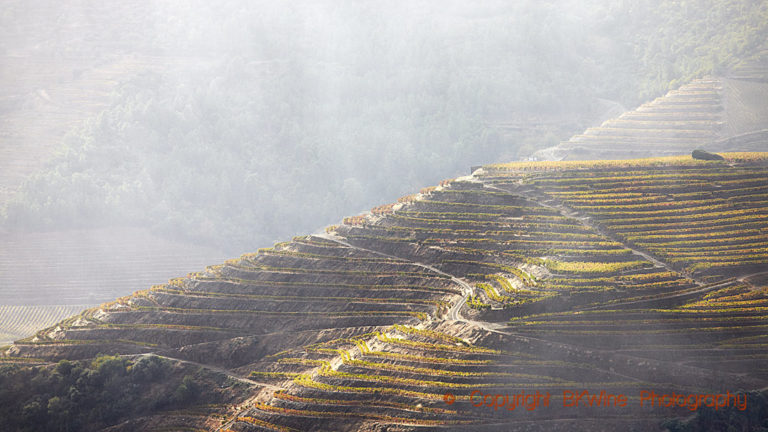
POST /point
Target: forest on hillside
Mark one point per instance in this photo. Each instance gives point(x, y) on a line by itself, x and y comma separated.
point(287, 116)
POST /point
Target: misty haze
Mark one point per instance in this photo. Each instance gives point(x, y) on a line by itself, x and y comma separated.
point(377, 204)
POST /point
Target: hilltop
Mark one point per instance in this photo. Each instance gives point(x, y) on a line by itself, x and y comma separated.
point(520, 277)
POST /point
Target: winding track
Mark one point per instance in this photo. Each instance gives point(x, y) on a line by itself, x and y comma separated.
point(605, 356)
point(454, 313)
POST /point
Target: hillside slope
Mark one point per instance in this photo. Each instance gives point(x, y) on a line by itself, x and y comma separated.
point(725, 113)
point(368, 326)
point(671, 124)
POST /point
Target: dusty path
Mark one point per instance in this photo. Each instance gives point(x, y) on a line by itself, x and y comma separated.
point(586, 221)
point(454, 312)
point(211, 368)
point(244, 406)
point(744, 278)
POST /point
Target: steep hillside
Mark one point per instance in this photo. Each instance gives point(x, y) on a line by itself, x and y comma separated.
point(523, 277)
point(672, 124)
point(717, 113)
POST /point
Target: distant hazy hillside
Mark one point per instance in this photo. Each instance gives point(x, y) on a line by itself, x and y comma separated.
point(18, 322)
point(239, 125)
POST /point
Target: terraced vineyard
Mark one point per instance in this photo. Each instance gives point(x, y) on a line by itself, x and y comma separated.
point(308, 283)
point(614, 276)
point(400, 375)
point(700, 218)
point(752, 69)
point(682, 119)
point(715, 113)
